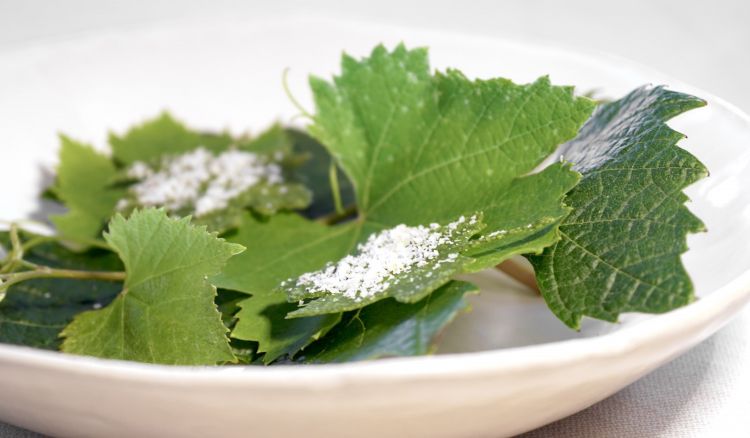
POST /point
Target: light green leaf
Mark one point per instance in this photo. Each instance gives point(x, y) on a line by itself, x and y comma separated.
point(390, 328)
point(165, 312)
point(85, 185)
point(620, 247)
point(281, 244)
point(424, 148)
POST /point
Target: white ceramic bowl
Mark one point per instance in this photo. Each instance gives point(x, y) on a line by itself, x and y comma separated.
point(511, 366)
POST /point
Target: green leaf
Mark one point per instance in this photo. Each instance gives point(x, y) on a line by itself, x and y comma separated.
point(272, 152)
point(287, 245)
point(162, 136)
point(84, 185)
point(390, 328)
point(90, 184)
point(34, 312)
point(422, 148)
point(165, 312)
point(620, 247)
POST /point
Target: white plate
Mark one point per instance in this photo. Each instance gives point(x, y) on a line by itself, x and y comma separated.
point(518, 369)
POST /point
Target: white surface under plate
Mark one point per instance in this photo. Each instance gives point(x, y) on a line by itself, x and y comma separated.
point(508, 367)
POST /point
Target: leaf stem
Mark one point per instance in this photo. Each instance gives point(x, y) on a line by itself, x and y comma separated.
point(335, 190)
point(46, 272)
point(36, 241)
point(27, 264)
point(15, 241)
point(15, 256)
point(519, 273)
point(288, 92)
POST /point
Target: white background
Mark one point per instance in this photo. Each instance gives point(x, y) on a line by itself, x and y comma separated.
point(705, 43)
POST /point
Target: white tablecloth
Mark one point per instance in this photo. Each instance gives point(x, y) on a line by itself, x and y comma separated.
point(705, 393)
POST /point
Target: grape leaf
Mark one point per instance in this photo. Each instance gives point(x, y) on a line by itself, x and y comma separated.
point(620, 247)
point(390, 328)
point(85, 185)
point(93, 185)
point(34, 312)
point(422, 148)
point(166, 311)
point(162, 136)
point(163, 140)
point(276, 254)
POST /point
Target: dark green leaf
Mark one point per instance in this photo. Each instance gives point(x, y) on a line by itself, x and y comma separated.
point(34, 312)
point(620, 247)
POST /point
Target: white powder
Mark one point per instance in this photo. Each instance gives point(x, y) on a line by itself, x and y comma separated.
point(381, 258)
point(200, 180)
